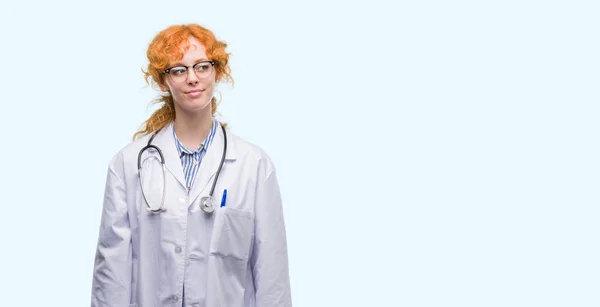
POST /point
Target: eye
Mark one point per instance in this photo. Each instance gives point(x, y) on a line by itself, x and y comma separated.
point(203, 67)
point(177, 71)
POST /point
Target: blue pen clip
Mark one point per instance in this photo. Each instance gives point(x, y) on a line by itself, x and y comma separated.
point(224, 198)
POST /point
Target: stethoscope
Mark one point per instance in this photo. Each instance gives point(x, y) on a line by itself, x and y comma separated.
point(206, 203)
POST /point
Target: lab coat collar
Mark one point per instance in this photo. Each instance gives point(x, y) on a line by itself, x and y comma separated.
point(210, 164)
point(164, 140)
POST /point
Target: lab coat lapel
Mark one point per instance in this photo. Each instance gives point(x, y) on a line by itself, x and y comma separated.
point(165, 141)
point(210, 164)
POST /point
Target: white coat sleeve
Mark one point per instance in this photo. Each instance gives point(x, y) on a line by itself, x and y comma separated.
point(111, 282)
point(269, 259)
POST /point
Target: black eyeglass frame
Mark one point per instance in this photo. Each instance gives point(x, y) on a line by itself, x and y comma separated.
point(212, 62)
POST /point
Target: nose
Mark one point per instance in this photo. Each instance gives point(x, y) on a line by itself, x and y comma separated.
point(192, 78)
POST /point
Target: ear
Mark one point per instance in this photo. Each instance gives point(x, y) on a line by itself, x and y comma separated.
point(163, 86)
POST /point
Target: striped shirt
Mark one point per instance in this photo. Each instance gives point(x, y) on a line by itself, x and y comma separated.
point(190, 160)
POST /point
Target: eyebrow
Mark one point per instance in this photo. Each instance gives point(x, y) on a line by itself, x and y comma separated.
point(197, 61)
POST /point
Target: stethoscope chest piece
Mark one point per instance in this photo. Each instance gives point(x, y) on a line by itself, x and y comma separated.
point(206, 204)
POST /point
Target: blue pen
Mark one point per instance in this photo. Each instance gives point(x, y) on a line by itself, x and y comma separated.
point(223, 198)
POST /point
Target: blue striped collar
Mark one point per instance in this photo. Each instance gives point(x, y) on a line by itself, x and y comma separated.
point(202, 147)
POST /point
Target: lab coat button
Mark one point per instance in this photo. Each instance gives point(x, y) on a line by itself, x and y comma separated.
point(182, 200)
point(178, 249)
point(175, 298)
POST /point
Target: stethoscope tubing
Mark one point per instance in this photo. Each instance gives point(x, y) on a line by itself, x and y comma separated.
point(162, 162)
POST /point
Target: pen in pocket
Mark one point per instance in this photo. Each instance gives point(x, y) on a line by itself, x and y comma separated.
point(224, 198)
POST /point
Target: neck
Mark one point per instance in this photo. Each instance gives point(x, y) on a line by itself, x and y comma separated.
point(192, 128)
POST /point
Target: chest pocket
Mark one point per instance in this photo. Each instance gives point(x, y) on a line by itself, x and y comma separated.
point(232, 233)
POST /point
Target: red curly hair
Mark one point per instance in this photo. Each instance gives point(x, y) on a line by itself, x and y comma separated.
point(164, 49)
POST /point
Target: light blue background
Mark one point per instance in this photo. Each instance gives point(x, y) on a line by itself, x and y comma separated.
point(430, 153)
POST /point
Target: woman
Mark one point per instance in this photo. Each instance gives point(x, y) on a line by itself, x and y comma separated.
point(182, 251)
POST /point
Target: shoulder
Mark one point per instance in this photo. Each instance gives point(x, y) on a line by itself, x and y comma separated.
point(128, 153)
point(251, 153)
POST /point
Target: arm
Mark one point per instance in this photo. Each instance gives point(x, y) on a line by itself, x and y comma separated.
point(112, 267)
point(269, 259)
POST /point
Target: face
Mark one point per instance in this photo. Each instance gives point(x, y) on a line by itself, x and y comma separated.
point(193, 89)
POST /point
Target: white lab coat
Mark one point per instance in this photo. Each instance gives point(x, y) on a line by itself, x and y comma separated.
point(235, 257)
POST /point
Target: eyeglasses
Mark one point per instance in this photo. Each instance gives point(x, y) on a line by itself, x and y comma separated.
point(180, 73)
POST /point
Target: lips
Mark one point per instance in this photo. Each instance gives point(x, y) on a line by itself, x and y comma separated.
point(194, 91)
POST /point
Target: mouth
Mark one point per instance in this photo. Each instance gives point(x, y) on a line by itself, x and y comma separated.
point(194, 91)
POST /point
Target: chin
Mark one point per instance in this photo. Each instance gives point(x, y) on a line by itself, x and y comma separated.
point(195, 107)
